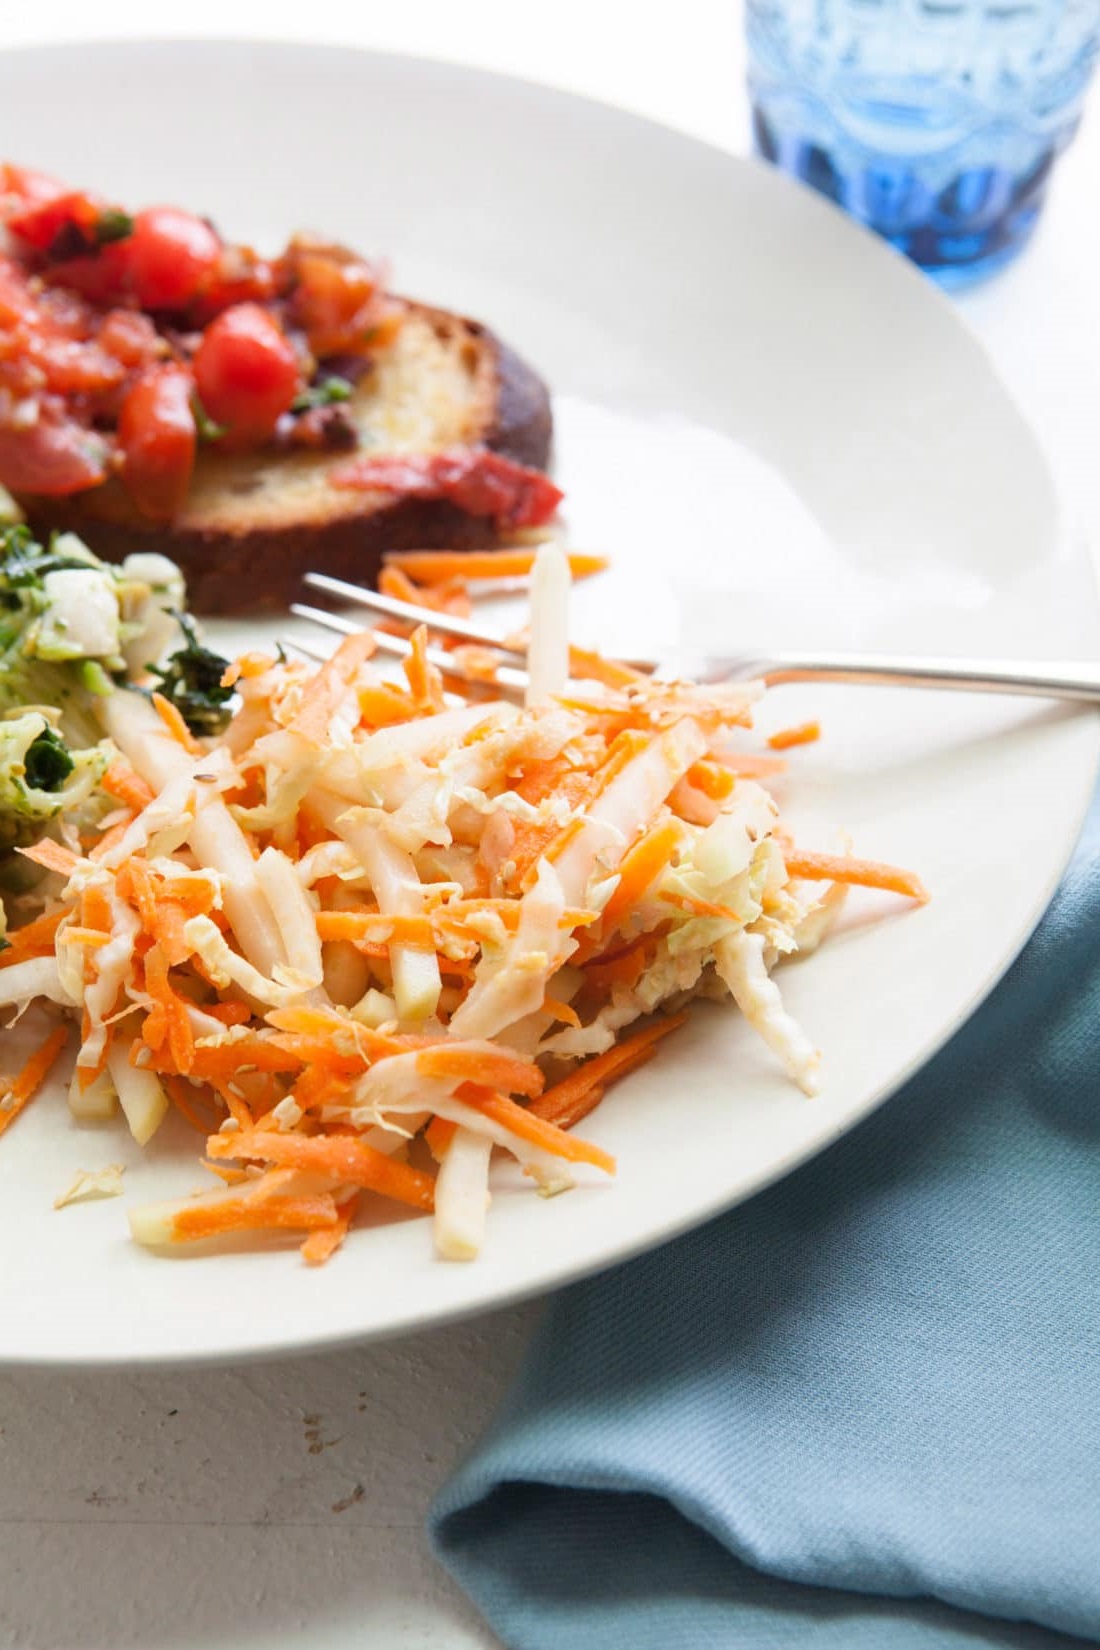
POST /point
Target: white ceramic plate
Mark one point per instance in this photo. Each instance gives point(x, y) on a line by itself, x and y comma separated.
point(782, 434)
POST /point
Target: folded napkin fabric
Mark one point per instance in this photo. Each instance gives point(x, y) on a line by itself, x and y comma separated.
point(862, 1409)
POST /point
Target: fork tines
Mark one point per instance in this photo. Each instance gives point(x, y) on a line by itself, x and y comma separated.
point(445, 624)
point(507, 680)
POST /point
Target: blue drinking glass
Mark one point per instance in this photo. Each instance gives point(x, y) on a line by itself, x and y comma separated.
point(936, 122)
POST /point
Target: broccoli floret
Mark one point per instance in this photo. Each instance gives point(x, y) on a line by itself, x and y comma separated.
point(191, 679)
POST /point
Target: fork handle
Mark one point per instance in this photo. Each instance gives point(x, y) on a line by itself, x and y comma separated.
point(1075, 679)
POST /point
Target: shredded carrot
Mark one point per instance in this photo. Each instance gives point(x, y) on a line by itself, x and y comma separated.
point(225, 1172)
point(237, 1107)
point(374, 927)
point(135, 881)
point(714, 781)
point(593, 667)
point(439, 1134)
point(350, 1162)
point(52, 856)
point(450, 596)
point(90, 937)
point(211, 1064)
point(246, 666)
point(481, 1062)
point(536, 1130)
point(182, 1096)
point(322, 1244)
point(477, 661)
point(122, 782)
point(639, 869)
point(865, 873)
point(26, 1084)
point(381, 705)
point(437, 566)
point(110, 839)
point(230, 1014)
point(804, 733)
point(96, 909)
point(624, 748)
point(172, 718)
point(320, 1086)
point(325, 1024)
point(246, 1214)
point(571, 1099)
point(624, 970)
point(564, 1012)
point(330, 685)
point(181, 1040)
point(425, 682)
point(701, 907)
point(34, 939)
point(195, 894)
point(531, 841)
point(393, 581)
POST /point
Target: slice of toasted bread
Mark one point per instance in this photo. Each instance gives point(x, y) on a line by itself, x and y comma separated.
point(254, 523)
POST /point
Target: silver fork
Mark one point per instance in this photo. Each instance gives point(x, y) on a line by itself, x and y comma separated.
point(1075, 679)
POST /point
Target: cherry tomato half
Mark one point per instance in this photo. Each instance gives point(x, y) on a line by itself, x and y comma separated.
point(170, 257)
point(246, 371)
point(156, 433)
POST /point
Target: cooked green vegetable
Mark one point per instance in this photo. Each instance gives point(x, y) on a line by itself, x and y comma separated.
point(40, 778)
point(48, 762)
point(73, 628)
point(192, 679)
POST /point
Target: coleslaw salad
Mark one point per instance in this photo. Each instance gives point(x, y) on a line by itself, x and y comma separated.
point(378, 930)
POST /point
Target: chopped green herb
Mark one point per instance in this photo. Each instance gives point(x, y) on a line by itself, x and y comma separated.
point(325, 394)
point(47, 763)
point(192, 681)
point(205, 426)
point(113, 225)
point(24, 562)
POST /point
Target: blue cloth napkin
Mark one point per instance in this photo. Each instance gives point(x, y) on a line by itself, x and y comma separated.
point(862, 1410)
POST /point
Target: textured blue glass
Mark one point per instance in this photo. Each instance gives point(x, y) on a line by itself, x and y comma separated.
point(936, 122)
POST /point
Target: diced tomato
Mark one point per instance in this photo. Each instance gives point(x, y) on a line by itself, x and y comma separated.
point(16, 302)
point(102, 277)
point(42, 222)
point(112, 329)
point(241, 277)
point(72, 367)
point(246, 371)
point(156, 432)
point(339, 301)
point(21, 184)
point(131, 338)
point(52, 456)
point(172, 255)
point(481, 482)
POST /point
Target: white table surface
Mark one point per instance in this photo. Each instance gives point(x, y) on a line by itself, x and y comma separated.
point(285, 1502)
